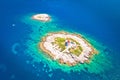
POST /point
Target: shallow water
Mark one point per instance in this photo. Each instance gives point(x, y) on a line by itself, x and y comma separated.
point(97, 21)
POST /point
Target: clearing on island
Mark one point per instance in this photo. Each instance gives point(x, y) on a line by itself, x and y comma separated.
point(67, 48)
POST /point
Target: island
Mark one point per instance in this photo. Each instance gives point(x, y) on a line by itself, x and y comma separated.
point(41, 17)
point(67, 48)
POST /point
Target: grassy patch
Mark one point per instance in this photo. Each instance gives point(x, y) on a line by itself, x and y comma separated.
point(76, 51)
point(60, 42)
point(73, 40)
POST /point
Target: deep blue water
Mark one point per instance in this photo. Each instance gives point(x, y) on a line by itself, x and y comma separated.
point(99, 18)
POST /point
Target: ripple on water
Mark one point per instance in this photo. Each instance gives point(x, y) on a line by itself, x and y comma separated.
point(14, 48)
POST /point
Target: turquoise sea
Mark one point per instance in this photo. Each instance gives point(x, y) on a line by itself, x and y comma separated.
point(98, 21)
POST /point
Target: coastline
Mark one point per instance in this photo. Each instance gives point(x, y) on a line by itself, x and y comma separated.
point(41, 45)
point(41, 17)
